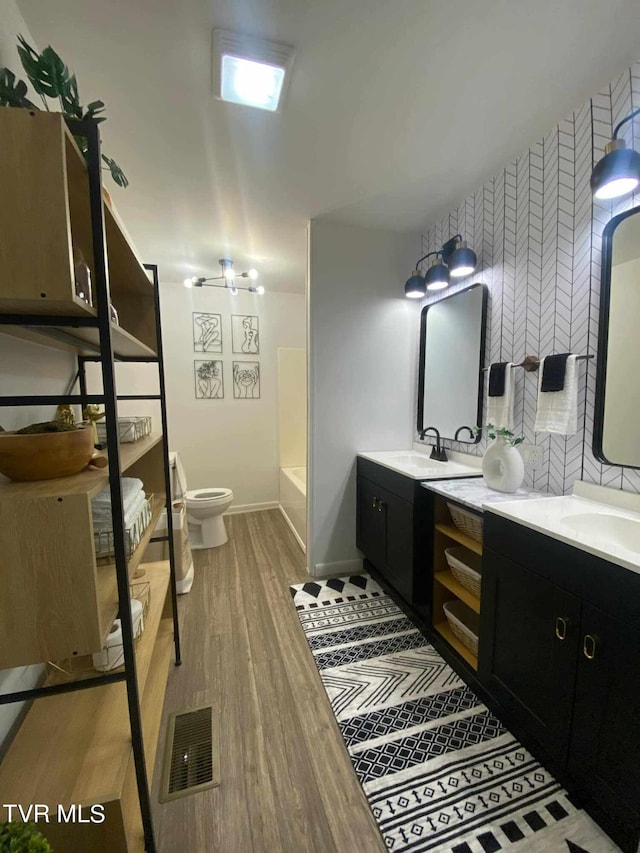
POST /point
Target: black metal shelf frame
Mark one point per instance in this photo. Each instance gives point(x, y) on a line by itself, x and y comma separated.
point(89, 130)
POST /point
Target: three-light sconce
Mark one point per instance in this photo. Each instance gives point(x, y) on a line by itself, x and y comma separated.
point(454, 260)
point(228, 277)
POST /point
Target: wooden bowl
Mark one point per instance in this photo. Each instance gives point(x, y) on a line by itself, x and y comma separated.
point(46, 455)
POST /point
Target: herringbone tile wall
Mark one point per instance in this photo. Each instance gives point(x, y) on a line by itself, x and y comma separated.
point(537, 233)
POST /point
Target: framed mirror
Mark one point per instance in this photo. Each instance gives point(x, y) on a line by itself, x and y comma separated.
point(615, 435)
point(452, 344)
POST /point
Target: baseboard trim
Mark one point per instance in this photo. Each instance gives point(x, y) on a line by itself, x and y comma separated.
point(242, 508)
point(342, 567)
point(292, 528)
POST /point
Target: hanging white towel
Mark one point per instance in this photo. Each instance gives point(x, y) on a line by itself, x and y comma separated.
point(500, 409)
point(558, 410)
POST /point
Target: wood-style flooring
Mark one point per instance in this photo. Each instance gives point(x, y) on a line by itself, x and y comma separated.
point(287, 781)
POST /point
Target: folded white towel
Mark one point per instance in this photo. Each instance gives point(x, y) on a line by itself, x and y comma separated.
point(103, 520)
point(500, 409)
point(558, 410)
point(130, 488)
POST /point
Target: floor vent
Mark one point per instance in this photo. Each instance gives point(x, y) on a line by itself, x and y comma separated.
point(190, 761)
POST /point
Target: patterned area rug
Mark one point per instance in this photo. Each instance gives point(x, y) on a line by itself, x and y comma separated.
point(441, 773)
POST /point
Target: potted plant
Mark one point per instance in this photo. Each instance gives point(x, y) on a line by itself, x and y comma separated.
point(22, 838)
point(502, 465)
point(51, 79)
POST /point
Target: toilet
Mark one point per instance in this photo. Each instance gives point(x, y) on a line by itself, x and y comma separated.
point(204, 513)
point(204, 508)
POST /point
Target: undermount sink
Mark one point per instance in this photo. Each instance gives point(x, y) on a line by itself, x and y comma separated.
point(420, 466)
point(417, 460)
point(608, 529)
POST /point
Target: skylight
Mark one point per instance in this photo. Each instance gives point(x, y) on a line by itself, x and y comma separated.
point(250, 71)
point(255, 84)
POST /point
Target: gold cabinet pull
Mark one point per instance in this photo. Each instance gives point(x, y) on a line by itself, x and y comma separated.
point(589, 646)
point(375, 503)
point(380, 506)
point(561, 627)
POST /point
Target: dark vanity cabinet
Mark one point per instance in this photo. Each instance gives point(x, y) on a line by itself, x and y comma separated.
point(560, 652)
point(394, 529)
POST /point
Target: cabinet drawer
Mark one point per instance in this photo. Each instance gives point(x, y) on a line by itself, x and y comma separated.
point(397, 484)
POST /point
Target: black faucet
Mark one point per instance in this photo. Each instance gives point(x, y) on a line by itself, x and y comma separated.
point(438, 453)
point(459, 430)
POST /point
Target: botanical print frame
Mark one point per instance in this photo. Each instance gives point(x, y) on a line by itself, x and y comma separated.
point(207, 332)
point(209, 380)
point(246, 380)
point(245, 334)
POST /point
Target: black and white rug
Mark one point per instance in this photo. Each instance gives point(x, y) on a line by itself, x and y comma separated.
point(441, 773)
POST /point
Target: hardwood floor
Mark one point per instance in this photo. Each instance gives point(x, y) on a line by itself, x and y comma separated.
point(287, 781)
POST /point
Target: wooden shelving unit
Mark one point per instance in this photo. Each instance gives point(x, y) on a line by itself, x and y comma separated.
point(445, 586)
point(76, 747)
point(81, 741)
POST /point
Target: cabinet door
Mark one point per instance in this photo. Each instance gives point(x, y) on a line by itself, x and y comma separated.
point(371, 523)
point(399, 545)
point(605, 744)
point(528, 649)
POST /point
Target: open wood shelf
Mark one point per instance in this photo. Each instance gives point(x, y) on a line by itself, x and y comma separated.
point(91, 481)
point(457, 535)
point(448, 580)
point(445, 631)
point(84, 340)
point(76, 747)
point(47, 189)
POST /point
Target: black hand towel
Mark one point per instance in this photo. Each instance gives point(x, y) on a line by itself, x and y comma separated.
point(497, 373)
point(553, 372)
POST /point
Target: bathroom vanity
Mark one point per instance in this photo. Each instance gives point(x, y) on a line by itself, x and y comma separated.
point(560, 642)
point(393, 513)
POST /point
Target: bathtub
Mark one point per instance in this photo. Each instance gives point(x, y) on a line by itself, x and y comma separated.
point(293, 502)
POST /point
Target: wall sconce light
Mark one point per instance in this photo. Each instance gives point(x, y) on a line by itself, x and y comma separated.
point(618, 172)
point(455, 259)
point(229, 276)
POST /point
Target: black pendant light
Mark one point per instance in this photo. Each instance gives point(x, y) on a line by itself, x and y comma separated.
point(462, 261)
point(437, 277)
point(618, 172)
point(415, 287)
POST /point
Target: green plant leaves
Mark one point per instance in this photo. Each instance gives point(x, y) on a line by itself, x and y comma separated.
point(92, 111)
point(116, 172)
point(51, 78)
point(48, 74)
point(12, 93)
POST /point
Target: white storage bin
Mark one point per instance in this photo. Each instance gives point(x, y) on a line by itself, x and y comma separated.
point(464, 623)
point(466, 567)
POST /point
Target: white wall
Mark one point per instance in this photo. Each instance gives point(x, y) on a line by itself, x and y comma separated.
point(362, 373)
point(292, 407)
point(228, 443)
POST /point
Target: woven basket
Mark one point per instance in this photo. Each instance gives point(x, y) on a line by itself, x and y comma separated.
point(466, 567)
point(467, 522)
point(464, 623)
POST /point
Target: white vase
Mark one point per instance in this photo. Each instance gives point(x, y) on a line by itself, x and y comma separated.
point(502, 467)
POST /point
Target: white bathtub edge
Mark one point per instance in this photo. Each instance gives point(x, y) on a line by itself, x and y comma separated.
point(292, 528)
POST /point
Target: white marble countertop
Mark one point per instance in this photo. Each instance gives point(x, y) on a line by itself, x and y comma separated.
point(476, 494)
point(417, 465)
point(604, 522)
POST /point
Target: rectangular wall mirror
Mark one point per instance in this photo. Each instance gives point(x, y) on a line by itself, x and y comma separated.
point(615, 438)
point(452, 341)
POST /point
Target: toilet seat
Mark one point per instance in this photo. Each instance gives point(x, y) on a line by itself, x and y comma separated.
point(208, 496)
